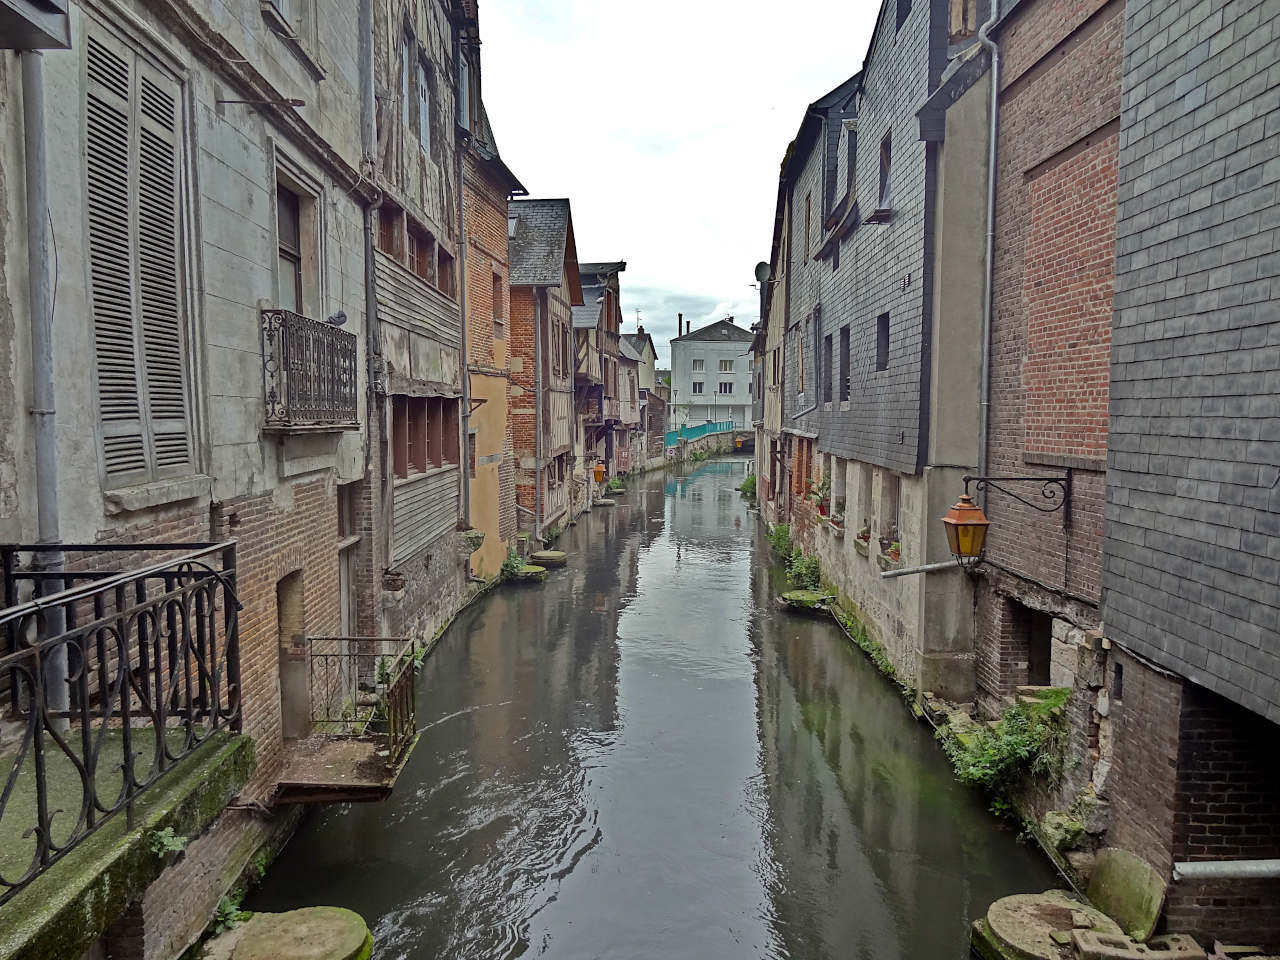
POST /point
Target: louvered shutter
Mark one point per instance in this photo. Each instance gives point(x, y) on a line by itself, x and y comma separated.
point(132, 147)
point(424, 109)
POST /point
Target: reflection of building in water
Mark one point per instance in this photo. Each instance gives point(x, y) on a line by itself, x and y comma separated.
point(886, 831)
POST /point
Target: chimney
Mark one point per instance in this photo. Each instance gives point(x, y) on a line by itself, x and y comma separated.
point(729, 318)
point(679, 324)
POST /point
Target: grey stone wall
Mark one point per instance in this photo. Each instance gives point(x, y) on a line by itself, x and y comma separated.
point(881, 266)
point(1192, 560)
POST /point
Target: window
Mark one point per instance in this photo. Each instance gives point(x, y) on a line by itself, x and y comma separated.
point(802, 337)
point(499, 328)
point(424, 434)
point(133, 147)
point(826, 369)
point(807, 197)
point(835, 257)
point(890, 488)
point(726, 366)
point(882, 342)
point(424, 107)
point(446, 280)
point(844, 364)
point(699, 365)
point(407, 50)
point(471, 454)
point(289, 239)
point(774, 357)
point(904, 11)
point(726, 386)
point(390, 230)
point(697, 386)
point(421, 249)
point(886, 167)
point(468, 92)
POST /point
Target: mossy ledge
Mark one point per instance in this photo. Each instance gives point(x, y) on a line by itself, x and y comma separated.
point(68, 908)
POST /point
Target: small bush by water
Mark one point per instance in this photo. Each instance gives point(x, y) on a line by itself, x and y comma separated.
point(804, 572)
point(748, 487)
point(1027, 741)
point(780, 537)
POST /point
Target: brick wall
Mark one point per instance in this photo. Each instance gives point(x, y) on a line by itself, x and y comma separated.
point(1226, 809)
point(1193, 548)
point(523, 397)
point(1055, 240)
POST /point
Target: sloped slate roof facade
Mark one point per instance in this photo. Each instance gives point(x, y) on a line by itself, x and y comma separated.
point(718, 331)
point(536, 248)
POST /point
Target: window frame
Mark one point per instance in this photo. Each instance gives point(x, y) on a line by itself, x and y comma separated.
point(882, 341)
point(885, 197)
point(698, 387)
point(289, 250)
point(720, 389)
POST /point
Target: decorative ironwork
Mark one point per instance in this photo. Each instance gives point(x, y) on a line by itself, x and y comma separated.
point(110, 679)
point(1055, 492)
point(309, 373)
point(362, 686)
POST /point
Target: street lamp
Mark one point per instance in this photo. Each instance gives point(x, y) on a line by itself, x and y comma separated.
point(966, 524)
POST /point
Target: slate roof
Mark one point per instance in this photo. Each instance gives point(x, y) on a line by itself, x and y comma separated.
point(721, 330)
point(637, 342)
point(587, 316)
point(486, 147)
point(537, 247)
point(628, 352)
point(597, 272)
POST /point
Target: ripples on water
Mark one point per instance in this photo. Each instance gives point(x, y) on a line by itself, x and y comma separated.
point(642, 759)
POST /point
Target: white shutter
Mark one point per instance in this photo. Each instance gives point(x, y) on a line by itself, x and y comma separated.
point(133, 172)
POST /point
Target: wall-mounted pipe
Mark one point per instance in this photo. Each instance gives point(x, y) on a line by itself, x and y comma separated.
point(912, 571)
point(984, 399)
point(539, 313)
point(1227, 870)
point(460, 145)
point(43, 395)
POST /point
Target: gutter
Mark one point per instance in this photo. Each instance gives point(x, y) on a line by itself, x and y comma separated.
point(539, 298)
point(464, 441)
point(375, 411)
point(984, 405)
point(43, 395)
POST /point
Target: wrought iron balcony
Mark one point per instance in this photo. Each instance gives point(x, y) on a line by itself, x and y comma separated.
point(363, 721)
point(109, 679)
point(309, 374)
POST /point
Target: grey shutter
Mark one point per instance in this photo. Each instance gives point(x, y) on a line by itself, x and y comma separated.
point(132, 158)
point(424, 109)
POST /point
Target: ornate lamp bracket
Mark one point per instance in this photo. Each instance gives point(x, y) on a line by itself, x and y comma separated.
point(1055, 492)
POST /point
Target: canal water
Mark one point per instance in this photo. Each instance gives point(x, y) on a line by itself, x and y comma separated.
point(642, 758)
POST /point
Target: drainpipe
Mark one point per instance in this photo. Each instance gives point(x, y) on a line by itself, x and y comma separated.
point(48, 534)
point(984, 406)
point(538, 311)
point(373, 350)
point(465, 439)
point(1227, 870)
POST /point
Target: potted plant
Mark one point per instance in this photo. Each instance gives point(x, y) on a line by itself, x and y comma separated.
point(895, 551)
point(837, 520)
point(865, 533)
point(889, 537)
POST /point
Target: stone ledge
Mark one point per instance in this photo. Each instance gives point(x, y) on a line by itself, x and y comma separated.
point(68, 908)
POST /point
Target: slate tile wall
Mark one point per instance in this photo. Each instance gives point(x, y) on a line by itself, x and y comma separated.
point(1192, 556)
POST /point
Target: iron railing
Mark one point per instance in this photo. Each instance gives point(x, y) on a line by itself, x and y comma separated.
point(362, 686)
point(309, 373)
point(110, 679)
point(693, 433)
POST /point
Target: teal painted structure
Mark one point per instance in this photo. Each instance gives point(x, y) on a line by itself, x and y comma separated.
point(694, 433)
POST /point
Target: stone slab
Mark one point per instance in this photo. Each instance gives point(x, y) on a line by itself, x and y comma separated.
point(312, 933)
point(1021, 927)
point(549, 558)
point(1128, 890)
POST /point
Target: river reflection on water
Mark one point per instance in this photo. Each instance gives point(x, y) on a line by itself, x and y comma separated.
point(642, 758)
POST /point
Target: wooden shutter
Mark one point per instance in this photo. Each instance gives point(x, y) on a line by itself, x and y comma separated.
point(133, 158)
point(424, 108)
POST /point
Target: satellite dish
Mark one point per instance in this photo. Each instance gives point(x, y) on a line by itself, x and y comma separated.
point(763, 273)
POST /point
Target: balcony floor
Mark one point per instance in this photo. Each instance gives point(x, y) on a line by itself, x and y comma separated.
point(321, 769)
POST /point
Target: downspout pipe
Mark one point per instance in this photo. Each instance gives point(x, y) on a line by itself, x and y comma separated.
point(374, 408)
point(984, 404)
point(44, 422)
point(1227, 870)
point(538, 312)
point(461, 144)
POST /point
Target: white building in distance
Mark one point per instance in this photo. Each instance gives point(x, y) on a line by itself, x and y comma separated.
point(711, 376)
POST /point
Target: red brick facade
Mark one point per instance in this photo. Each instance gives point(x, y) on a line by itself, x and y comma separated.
point(1055, 247)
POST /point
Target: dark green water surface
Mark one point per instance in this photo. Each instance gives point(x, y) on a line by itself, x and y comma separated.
point(642, 758)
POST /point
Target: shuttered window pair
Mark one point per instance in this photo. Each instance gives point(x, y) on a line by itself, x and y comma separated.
point(133, 151)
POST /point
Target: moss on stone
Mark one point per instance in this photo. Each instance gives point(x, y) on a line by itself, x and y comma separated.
point(64, 911)
point(530, 573)
point(312, 933)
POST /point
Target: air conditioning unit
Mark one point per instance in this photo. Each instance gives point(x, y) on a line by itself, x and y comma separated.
point(34, 25)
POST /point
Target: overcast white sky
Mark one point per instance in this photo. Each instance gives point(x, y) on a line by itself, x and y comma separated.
point(664, 123)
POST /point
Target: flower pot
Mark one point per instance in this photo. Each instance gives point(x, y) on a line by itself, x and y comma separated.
point(599, 473)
